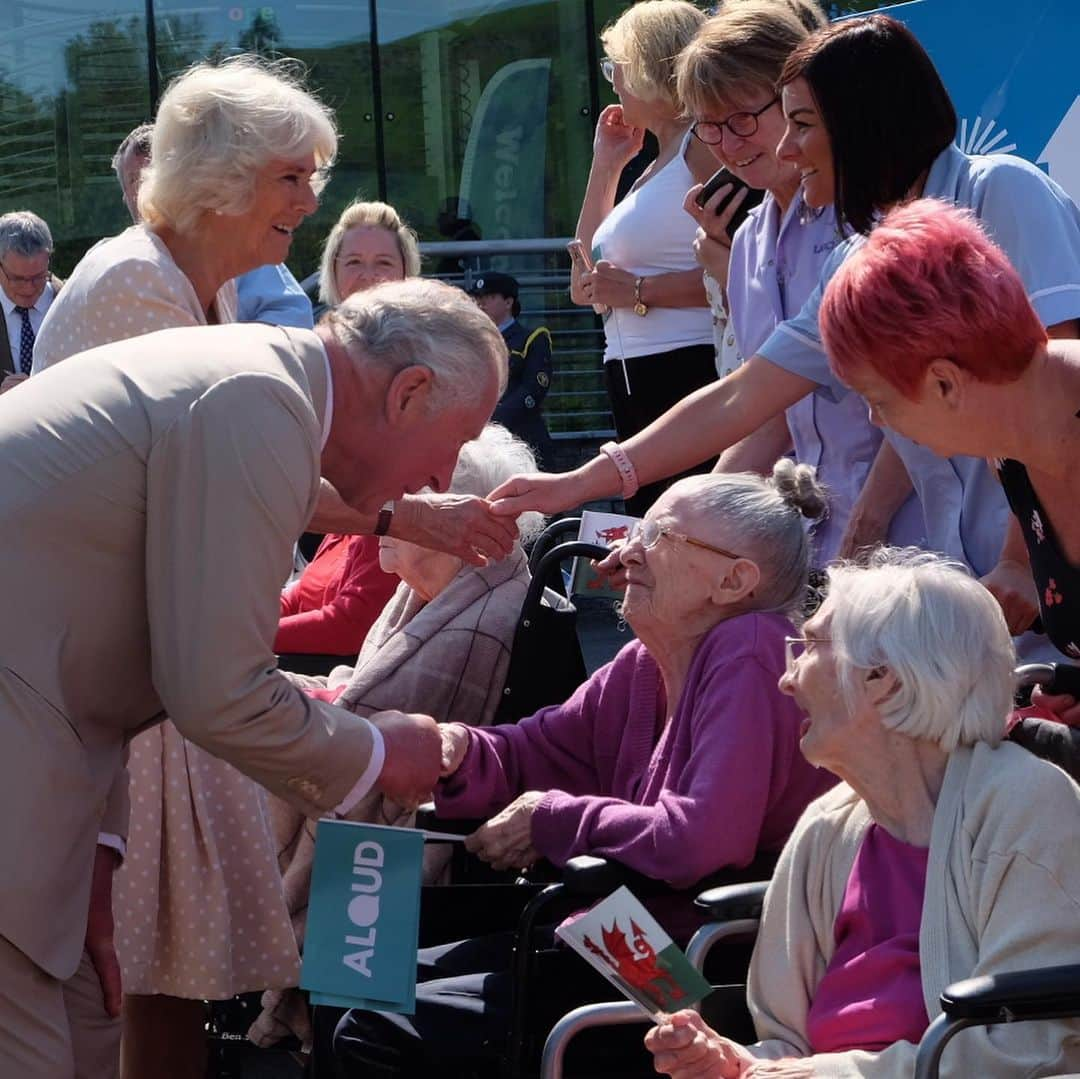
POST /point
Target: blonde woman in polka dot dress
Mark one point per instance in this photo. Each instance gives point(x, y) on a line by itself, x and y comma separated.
point(237, 158)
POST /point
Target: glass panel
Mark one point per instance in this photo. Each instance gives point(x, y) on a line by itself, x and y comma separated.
point(487, 104)
point(332, 38)
point(73, 82)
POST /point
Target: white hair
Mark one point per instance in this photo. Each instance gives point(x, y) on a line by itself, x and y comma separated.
point(940, 633)
point(217, 126)
point(764, 520)
point(24, 233)
point(487, 461)
point(378, 215)
point(420, 322)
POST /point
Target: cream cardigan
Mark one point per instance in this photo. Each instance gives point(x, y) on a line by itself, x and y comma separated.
point(1002, 893)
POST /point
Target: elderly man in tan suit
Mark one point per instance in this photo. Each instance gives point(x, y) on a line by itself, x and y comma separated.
point(152, 491)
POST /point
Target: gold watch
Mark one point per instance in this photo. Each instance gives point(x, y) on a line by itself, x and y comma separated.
point(640, 307)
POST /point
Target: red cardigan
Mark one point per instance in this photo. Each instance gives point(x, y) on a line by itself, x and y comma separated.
point(337, 599)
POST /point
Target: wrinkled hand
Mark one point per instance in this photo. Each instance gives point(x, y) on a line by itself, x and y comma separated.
point(99, 929)
point(461, 525)
point(506, 840)
point(611, 569)
point(413, 756)
point(608, 286)
point(1012, 585)
point(455, 744)
point(1063, 705)
point(712, 244)
point(11, 381)
point(684, 1046)
point(544, 491)
point(615, 142)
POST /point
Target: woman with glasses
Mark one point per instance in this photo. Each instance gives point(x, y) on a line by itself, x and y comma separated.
point(945, 853)
point(863, 152)
point(658, 329)
point(678, 758)
point(727, 80)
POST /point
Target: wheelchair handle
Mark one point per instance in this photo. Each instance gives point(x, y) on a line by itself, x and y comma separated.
point(552, 560)
point(1052, 677)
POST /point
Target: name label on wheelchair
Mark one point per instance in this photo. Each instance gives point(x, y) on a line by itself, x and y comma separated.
point(360, 949)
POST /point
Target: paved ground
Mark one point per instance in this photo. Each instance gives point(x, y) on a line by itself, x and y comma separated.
point(600, 631)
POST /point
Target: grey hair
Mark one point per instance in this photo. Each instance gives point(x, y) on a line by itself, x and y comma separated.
point(487, 461)
point(417, 321)
point(942, 635)
point(217, 126)
point(763, 519)
point(376, 215)
point(24, 233)
point(137, 141)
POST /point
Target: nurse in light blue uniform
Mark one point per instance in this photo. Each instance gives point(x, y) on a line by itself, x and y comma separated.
point(1038, 227)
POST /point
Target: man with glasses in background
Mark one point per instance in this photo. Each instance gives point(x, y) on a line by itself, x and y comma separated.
point(27, 289)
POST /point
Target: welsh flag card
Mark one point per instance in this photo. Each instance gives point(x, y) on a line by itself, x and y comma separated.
point(364, 916)
point(602, 528)
point(627, 945)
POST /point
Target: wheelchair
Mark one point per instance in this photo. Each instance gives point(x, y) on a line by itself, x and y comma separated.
point(1013, 997)
point(546, 666)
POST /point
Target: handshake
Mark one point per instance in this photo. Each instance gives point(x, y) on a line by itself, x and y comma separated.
point(418, 751)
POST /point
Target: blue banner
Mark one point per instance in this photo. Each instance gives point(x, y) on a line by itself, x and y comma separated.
point(1011, 71)
point(363, 917)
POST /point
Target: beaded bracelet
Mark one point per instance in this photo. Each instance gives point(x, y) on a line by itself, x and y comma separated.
point(627, 472)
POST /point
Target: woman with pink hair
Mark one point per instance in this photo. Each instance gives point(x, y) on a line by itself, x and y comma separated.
point(930, 323)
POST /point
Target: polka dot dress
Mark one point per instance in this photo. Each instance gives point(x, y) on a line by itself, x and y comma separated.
point(198, 902)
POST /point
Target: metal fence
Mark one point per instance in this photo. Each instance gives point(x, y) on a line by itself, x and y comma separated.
point(576, 407)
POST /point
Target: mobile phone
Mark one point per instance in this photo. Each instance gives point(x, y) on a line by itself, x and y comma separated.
point(583, 263)
point(719, 179)
point(579, 256)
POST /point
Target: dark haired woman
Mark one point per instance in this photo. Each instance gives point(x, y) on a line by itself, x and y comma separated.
point(866, 151)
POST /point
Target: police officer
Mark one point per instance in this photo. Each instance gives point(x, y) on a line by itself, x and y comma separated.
point(530, 364)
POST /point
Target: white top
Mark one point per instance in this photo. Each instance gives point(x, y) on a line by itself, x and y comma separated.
point(14, 322)
point(650, 233)
point(124, 287)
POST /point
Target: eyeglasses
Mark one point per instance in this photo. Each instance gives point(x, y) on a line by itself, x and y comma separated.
point(743, 124)
point(25, 279)
point(607, 69)
point(795, 646)
point(651, 532)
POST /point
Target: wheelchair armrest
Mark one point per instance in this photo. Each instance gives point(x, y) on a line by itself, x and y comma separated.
point(427, 819)
point(733, 901)
point(1041, 993)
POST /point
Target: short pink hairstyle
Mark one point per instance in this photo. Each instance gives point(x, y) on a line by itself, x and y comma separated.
point(929, 284)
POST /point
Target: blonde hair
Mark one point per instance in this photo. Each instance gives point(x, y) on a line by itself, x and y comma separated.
point(740, 50)
point(374, 215)
point(217, 126)
point(646, 40)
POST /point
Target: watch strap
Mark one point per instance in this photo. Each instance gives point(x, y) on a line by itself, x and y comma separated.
point(386, 515)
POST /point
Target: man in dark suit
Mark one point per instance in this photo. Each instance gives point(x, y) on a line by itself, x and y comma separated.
point(530, 364)
point(27, 289)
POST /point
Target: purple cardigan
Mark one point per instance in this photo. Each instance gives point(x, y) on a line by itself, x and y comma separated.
point(722, 781)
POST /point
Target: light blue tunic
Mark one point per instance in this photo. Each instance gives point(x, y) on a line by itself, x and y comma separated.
point(271, 294)
point(776, 263)
point(1038, 227)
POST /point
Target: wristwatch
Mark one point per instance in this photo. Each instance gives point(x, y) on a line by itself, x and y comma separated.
point(386, 515)
point(640, 307)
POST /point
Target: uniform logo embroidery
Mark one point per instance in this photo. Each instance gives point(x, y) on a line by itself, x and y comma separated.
point(543, 378)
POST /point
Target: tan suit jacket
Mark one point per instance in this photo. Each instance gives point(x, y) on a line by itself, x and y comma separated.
point(152, 491)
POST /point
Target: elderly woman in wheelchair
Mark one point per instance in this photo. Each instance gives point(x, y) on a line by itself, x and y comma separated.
point(945, 853)
point(678, 758)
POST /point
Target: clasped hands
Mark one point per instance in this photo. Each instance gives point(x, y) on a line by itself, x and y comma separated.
point(684, 1046)
point(608, 286)
point(505, 841)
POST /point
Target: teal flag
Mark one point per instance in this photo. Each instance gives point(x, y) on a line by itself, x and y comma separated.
point(502, 174)
point(363, 916)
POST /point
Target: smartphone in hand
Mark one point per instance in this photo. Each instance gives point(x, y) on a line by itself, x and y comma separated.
point(582, 263)
point(718, 180)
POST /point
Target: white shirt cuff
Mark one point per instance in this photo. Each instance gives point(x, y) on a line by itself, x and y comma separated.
point(114, 842)
point(370, 774)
